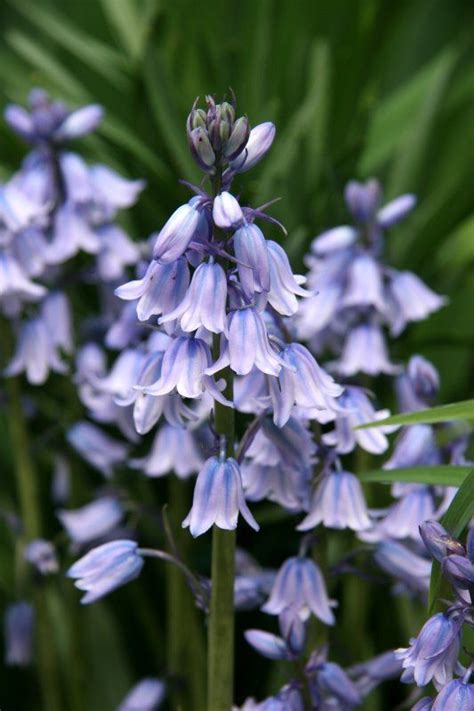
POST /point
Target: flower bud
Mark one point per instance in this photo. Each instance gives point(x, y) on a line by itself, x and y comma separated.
point(196, 119)
point(227, 113)
point(201, 148)
point(238, 138)
point(459, 570)
point(438, 541)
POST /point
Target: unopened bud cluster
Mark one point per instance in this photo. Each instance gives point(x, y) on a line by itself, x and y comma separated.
point(215, 135)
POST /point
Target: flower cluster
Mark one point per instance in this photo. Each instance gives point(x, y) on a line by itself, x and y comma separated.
point(357, 294)
point(54, 207)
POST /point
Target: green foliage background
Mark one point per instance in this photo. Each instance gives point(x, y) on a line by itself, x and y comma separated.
point(357, 88)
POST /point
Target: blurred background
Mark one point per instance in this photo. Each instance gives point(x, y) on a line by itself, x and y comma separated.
point(356, 89)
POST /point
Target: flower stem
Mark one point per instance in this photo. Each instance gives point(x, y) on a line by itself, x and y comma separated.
point(220, 657)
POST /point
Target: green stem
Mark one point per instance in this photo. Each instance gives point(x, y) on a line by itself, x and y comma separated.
point(221, 614)
point(185, 639)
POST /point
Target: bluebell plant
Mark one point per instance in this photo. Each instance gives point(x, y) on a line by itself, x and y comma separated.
point(208, 360)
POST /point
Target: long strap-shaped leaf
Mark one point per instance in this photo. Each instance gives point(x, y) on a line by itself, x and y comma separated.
point(463, 410)
point(443, 475)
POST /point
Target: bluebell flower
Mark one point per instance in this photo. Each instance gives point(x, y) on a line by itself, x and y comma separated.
point(248, 345)
point(146, 695)
point(19, 623)
point(457, 695)
point(174, 449)
point(105, 568)
point(306, 384)
point(226, 211)
point(56, 314)
point(416, 445)
point(98, 449)
point(205, 301)
point(333, 682)
point(253, 262)
point(365, 284)
point(159, 291)
point(412, 301)
point(174, 238)
point(365, 351)
point(338, 502)
point(14, 282)
point(405, 516)
point(355, 408)
point(185, 367)
point(434, 653)
point(259, 142)
point(93, 520)
point(284, 285)
point(42, 554)
point(402, 563)
point(300, 584)
point(218, 498)
point(459, 570)
point(368, 675)
point(36, 353)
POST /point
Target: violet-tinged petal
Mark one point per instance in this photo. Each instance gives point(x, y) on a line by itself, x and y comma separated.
point(42, 554)
point(459, 570)
point(105, 568)
point(80, 122)
point(218, 498)
point(93, 520)
point(365, 284)
point(75, 174)
point(112, 190)
point(18, 623)
point(267, 644)
point(434, 653)
point(338, 502)
point(259, 142)
point(253, 263)
point(299, 584)
point(332, 679)
point(205, 301)
point(147, 695)
point(396, 210)
point(175, 450)
point(333, 240)
point(174, 238)
point(20, 121)
point(249, 344)
point(405, 565)
point(226, 211)
point(363, 199)
point(458, 695)
point(365, 351)
point(97, 448)
point(284, 286)
point(413, 300)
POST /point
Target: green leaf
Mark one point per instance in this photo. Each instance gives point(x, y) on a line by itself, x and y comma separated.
point(393, 121)
point(44, 62)
point(437, 476)
point(455, 521)
point(100, 57)
point(132, 22)
point(444, 413)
